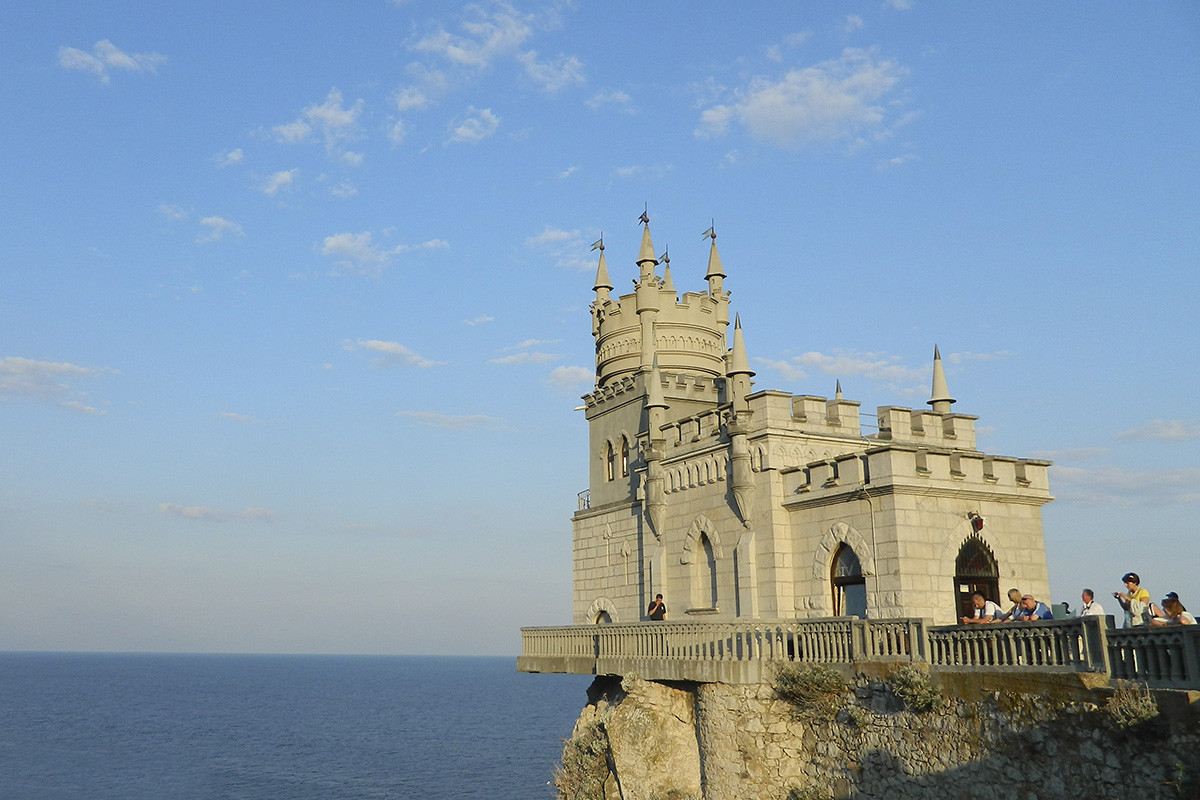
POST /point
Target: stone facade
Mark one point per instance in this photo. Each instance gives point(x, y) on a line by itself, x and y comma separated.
point(1006, 745)
point(737, 503)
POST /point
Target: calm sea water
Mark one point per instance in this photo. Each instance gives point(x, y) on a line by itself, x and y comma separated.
point(153, 727)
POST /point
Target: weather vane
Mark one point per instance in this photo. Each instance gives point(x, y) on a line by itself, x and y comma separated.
point(599, 243)
point(711, 232)
point(645, 217)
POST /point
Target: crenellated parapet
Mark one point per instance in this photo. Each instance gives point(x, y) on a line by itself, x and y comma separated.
point(897, 424)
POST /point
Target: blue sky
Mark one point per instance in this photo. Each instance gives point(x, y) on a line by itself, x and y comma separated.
point(295, 299)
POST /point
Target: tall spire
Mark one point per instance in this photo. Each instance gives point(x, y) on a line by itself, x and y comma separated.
point(738, 363)
point(603, 283)
point(940, 398)
point(667, 283)
point(837, 393)
point(654, 392)
point(715, 270)
point(647, 251)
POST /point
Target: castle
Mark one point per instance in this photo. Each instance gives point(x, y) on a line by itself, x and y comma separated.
point(742, 504)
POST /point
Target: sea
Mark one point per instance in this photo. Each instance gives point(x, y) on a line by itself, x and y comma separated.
point(101, 726)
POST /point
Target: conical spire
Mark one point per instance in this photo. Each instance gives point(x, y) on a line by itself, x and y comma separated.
point(715, 270)
point(654, 393)
point(837, 393)
point(602, 279)
point(738, 363)
point(647, 251)
point(940, 398)
point(667, 283)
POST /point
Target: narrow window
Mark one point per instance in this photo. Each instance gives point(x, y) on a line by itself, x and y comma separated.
point(849, 585)
point(609, 462)
point(624, 457)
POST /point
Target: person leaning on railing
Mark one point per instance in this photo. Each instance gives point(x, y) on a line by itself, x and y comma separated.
point(1171, 612)
point(985, 610)
point(1032, 610)
point(1014, 597)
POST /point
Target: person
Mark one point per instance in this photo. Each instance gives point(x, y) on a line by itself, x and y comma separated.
point(1014, 597)
point(1032, 610)
point(985, 610)
point(658, 609)
point(1172, 613)
point(1135, 600)
point(1090, 607)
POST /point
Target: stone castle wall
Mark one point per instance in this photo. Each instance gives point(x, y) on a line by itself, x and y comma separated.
point(724, 742)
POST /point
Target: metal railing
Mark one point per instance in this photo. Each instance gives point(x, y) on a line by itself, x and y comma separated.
point(743, 652)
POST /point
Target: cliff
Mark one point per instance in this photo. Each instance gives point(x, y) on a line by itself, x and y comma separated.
point(908, 734)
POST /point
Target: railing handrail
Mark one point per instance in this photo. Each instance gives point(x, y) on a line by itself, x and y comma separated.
point(1166, 657)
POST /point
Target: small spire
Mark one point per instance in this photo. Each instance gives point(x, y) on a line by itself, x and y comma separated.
point(940, 398)
point(647, 251)
point(738, 363)
point(665, 260)
point(654, 393)
point(602, 279)
point(715, 269)
point(837, 393)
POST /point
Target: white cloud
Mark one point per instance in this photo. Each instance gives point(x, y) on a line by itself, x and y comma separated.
point(1169, 430)
point(482, 319)
point(525, 358)
point(566, 248)
point(174, 213)
point(493, 32)
point(566, 173)
point(571, 378)
point(553, 76)
point(612, 98)
point(434, 419)
point(397, 132)
point(280, 180)
point(105, 57)
point(218, 227)
point(475, 126)
point(333, 122)
point(410, 98)
point(1109, 485)
point(48, 382)
point(874, 366)
point(853, 23)
point(352, 159)
point(393, 354)
point(898, 5)
point(357, 253)
point(230, 159)
point(832, 100)
point(343, 189)
point(212, 514)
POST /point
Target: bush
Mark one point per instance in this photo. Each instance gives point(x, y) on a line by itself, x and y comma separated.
point(1129, 705)
point(811, 688)
point(914, 686)
point(584, 767)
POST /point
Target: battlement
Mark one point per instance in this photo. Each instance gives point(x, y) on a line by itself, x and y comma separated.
point(948, 469)
point(925, 427)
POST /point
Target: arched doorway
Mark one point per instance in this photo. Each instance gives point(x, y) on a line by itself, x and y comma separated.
point(975, 570)
point(849, 585)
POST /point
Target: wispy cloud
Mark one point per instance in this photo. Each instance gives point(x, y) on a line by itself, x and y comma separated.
point(554, 75)
point(358, 254)
point(571, 379)
point(566, 248)
point(454, 422)
point(482, 319)
point(473, 126)
point(278, 181)
point(230, 159)
point(842, 363)
point(392, 354)
point(1169, 430)
point(49, 382)
point(612, 99)
point(173, 213)
point(245, 419)
point(332, 122)
point(1109, 485)
point(218, 227)
point(105, 57)
point(832, 100)
point(213, 514)
point(525, 358)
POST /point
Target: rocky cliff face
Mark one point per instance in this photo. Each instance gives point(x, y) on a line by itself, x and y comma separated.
point(641, 740)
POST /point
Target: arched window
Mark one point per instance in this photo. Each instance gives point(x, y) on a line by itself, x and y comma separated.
point(603, 618)
point(624, 457)
point(705, 574)
point(849, 585)
point(975, 570)
point(609, 462)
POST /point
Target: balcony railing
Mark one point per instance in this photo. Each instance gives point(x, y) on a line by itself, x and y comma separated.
point(746, 652)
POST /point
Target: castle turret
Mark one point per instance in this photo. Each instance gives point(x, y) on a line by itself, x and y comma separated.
point(648, 302)
point(739, 372)
point(656, 416)
point(716, 277)
point(940, 398)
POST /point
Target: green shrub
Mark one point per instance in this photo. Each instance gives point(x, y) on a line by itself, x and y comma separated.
point(858, 716)
point(811, 688)
point(914, 686)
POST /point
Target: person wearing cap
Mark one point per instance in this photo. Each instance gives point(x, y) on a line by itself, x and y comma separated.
point(1134, 600)
point(1090, 607)
point(1032, 610)
point(1172, 612)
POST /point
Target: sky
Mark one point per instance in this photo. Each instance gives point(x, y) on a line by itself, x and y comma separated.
point(294, 308)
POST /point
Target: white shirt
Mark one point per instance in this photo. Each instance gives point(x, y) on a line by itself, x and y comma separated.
point(989, 609)
point(1092, 609)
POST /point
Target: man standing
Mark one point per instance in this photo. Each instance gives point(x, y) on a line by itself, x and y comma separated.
point(985, 610)
point(658, 609)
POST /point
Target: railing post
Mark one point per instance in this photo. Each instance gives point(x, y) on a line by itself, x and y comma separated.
point(1095, 640)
